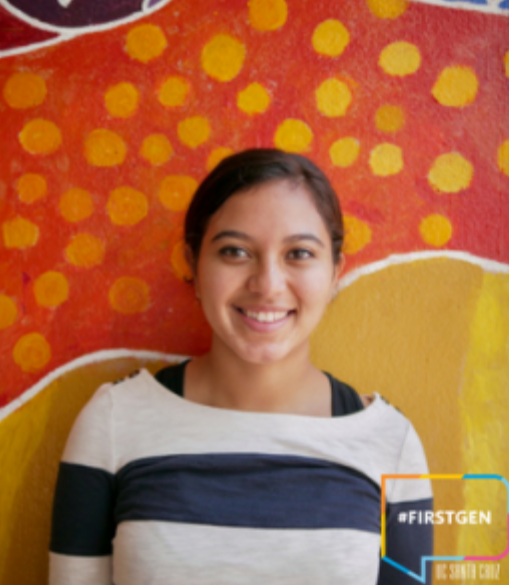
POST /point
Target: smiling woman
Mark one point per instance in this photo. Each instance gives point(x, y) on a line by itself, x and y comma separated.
point(247, 464)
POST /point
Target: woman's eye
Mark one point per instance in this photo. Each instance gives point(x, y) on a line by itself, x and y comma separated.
point(300, 254)
point(233, 252)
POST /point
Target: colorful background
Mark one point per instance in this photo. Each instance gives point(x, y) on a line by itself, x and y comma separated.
point(111, 114)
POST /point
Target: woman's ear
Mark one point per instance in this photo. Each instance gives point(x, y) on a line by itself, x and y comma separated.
point(189, 256)
point(338, 271)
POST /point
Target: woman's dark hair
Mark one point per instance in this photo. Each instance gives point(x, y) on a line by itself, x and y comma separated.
point(250, 168)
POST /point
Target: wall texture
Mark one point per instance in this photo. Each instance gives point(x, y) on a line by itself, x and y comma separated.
point(112, 114)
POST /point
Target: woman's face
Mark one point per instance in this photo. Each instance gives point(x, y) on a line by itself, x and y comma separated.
point(265, 272)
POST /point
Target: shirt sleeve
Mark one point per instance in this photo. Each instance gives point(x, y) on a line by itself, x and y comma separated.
point(408, 537)
point(83, 523)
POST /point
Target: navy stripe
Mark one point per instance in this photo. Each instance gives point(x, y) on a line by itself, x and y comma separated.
point(83, 521)
point(250, 490)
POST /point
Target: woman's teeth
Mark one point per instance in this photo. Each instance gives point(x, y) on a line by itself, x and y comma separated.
point(265, 317)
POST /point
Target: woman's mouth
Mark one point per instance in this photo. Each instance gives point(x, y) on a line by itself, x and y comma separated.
point(265, 317)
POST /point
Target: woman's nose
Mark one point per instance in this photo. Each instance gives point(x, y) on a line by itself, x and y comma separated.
point(267, 277)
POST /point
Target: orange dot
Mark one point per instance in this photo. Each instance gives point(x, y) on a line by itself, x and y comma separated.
point(174, 92)
point(194, 131)
point(357, 235)
point(145, 42)
point(129, 295)
point(127, 206)
point(8, 311)
point(436, 230)
point(266, 15)
point(222, 58)
point(255, 99)
point(85, 250)
point(293, 136)
point(156, 149)
point(104, 148)
point(40, 137)
point(176, 191)
point(389, 118)
point(31, 187)
point(51, 289)
point(121, 100)
point(32, 352)
point(76, 205)
point(388, 8)
point(24, 90)
point(20, 233)
point(216, 156)
point(179, 262)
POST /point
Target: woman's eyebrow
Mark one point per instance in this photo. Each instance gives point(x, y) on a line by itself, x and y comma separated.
point(298, 237)
point(246, 237)
point(231, 234)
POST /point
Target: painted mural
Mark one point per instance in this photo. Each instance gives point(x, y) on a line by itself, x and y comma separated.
point(112, 112)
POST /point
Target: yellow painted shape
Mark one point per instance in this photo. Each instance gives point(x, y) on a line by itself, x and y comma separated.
point(121, 100)
point(145, 42)
point(456, 87)
point(386, 159)
point(400, 59)
point(51, 289)
point(436, 230)
point(156, 149)
point(330, 38)
point(174, 92)
point(24, 90)
point(76, 205)
point(85, 250)
point(8, 311)
point(20, 233)
point(450, 173)
point(32, 352)
point(194, 132)
point(266, 15)
point(345, 151)
point(126, 206)
point(503, 157)
point(31, 187)
point(179, 263)
point(333, 98)
point(129, 295)
point(40, 137)
point(222, 58)
point(506, 64)
point(293, 136)
point(216, 156)
point(255, 99)
point(357, 234)
point(176, 192)
point(104, 148)
point(389, 118)
point(388, 8)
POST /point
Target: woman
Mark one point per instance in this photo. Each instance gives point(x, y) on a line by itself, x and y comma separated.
point(248, 464)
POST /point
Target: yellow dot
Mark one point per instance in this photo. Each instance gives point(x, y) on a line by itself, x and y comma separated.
point(20, 233)
point(25, 90)
point(255, 99)
point(503, 157)
point(389, 118)
point(85, 250)
point(40, 137)
point(76, 205)
point(388, 8)
point(222, 58)
point(104, 148)
point(176, 192)
point(357, 234)
point(8, 312)
point(179, 263)
point(330, 38)
point(51, 289)
point(156, 149)
point(293, 136)
point(145, 42)
point(129, 295)
point(174, 92)
point(32, 352)
point(31, 187)
point(127, 206)
point(267, 14)
point(194, 131)
point(400, 59)
point(121, 100)
point(386, 159)
point(450, 173)
point(436, 230)
point(456, 87)
point(506, 63)
point(216, 156)
point(344, 152)
point(333, 98)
